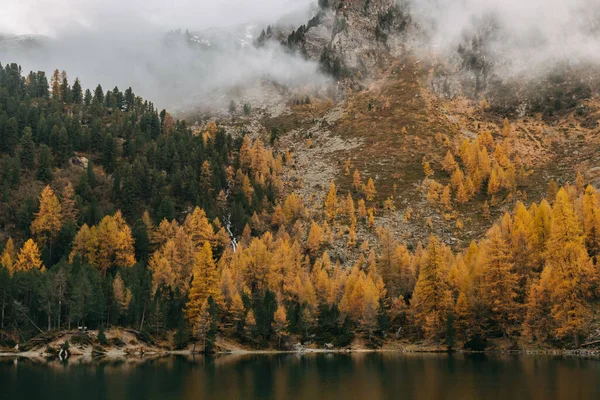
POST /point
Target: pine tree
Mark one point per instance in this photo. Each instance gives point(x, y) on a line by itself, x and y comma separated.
point(44, 169)
point(27, 153)
point(76, 92)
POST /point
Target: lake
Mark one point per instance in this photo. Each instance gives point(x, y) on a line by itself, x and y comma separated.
point(307, 376)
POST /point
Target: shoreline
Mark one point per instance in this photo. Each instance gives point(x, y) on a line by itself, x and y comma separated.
point(117, 354)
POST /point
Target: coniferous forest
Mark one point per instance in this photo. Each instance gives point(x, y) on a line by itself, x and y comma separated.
point(113, 213)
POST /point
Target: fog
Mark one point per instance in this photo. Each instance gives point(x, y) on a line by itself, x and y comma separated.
point(522, 36)
point(124, 43)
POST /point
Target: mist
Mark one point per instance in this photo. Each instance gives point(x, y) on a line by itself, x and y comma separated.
point(125, 43)
point(521, 37)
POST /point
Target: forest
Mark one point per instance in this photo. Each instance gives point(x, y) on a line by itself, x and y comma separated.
point(115, 214)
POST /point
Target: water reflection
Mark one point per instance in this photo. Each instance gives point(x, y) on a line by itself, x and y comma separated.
point(307, 376)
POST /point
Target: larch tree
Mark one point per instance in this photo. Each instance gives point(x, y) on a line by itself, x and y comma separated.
point(499, 282)
point(280, 323)
point(48, 220)
point(9, 256)
point(569, 273)
point(201, 323)
point(448, 163)
point(85, 244)
point(331, 203)
point(29, 258)
point(315, 238)
point(356, 180)
point(432, 299)
point(121, 293)
point(538, 324)
point(591, 220)
point(205, 283)
point(115, 243)
point(199, 228)
point(370, 307)
point(69, 204)
point(369, 190)
point(522, 240)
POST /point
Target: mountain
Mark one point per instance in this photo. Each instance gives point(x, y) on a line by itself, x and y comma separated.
point(410, 197)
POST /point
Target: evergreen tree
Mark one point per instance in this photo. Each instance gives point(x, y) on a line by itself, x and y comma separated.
point(44, 169)
point(27, 153)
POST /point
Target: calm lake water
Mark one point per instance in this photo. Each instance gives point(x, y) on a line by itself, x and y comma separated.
point(308, 376)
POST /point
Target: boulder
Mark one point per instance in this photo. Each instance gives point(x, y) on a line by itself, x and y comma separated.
point(80, 162)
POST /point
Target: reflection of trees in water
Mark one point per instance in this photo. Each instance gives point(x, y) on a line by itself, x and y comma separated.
point(306, 376)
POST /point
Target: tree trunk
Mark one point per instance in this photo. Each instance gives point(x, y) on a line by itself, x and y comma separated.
point(576, 340)
point(143, 316)
point(58, 319)
point(49, 323)
point(3, 307)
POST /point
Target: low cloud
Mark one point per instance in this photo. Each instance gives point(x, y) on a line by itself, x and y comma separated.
point(521, 36)
point(124, 44)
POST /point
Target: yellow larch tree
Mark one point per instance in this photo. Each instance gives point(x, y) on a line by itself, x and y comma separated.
point(85, 244)
point(121, 293)
point(371, 218)
point(522, 240)
point(29, 258)
point(315, 238)
point(115, 243)
point(68, 204)
point(446, 198)
point(432, 298)
point(569, 273)
point(499, 282)
point(163, 232)
point(356, 180)
point(352, 238)
point(493, 182)
point(280, 323)
point(199, 228)
point(9, 256)
point(591, 220)
point(427, 169)
point(172, 265)
point(369, 190)
point(350, 209)
point(370, 306)
point(362, 209)
point(449, 163)
point(48, 220)
point(331, 203)
point(205, 283)
point(538, 324)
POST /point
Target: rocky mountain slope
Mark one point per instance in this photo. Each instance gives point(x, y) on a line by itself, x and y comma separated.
point(391, 108)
